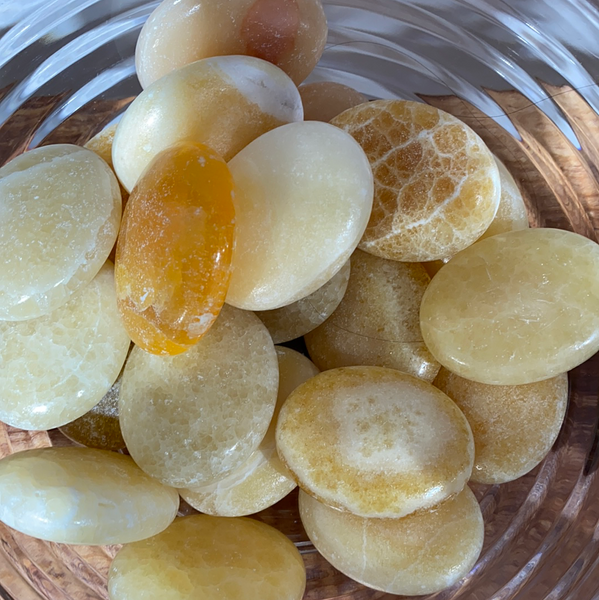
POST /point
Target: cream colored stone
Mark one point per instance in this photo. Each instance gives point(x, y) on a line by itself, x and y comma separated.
point(422, 553)
point(515, 308)
point(375, 441)
point(289, 33)
point(191, 419)
point(209, 558)
point(82, 496)
point(304, 195)
point(60, 210)
point(296, 319)
point(224, 102)
point(514, 426)
point(377, 323)
point(55, 368)
point(326, 99)
point(262, 480)
point(436, 184)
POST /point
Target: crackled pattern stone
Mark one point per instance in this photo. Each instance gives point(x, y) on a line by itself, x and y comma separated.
point(209, 558)
point(54, 369)
point(515, 308)
point(326, 99)
point(303, 199)
point(173, 259)
point(99, 428)
point(296, 319)
point(436, 183)
point(262, 480)
point(374, 441)
point(61, 210)
point(288, 33)
point(191, 419)
point(82, 496)
point(224, 102)
point(377, 322)
point(514, 426)
point(422, 553)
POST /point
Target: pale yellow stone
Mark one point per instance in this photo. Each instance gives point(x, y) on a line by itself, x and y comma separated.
point(55, 368)
point(289, 33)
point(262, 480)
point(514, 426)
point(326, 99)
point(209, 558)
point(82, 496)
point(377, 322)
point(60, 210)
point(102, 142)
point(515, 308)
point(304, 195)
point(375, 441)
point(224, 102)
point(422, 553)
point(191, 419)
point(296, 319)
point(437, 185)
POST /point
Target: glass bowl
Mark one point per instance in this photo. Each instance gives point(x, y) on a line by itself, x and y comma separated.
point(521, 73)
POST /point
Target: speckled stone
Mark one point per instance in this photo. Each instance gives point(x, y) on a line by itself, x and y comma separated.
point(374, 441)
point(82, 496)
point(515, 308)
point(55, 368)
point(377, 323)
point(61, 209)
point(191, 419)
point(422, 553)
point(514, 426)
point(209, 558)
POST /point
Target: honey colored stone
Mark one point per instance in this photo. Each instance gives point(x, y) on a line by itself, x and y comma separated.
point(377, 322)
point(374, 441)
point(54, 369)
point(191, 419)
point(514, 426)
point(99, 428)
point(173, 259)
point(437, 185)
point(224, 102)
point(422, 553)
point(288, 33)
point(296, 319)
point(434, 266)
point(209, 558)
point(515, 308)
point(82, 496)
point(302, 202)
point(61, 210)
point(262, 480)
point(326, 99)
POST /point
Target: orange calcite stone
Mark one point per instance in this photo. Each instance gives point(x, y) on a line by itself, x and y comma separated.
point(174, 249)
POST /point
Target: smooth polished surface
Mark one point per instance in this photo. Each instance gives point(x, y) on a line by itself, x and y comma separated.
point(515, 308)
point(325, 100)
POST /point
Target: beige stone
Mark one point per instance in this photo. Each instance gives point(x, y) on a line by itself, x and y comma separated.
point(325, 100)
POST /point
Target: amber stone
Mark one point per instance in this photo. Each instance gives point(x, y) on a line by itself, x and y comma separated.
point(377, 323)
point(325, 100)
point(173, 259)
point(224, 102)
point(437, 185)
point(515, 308)
point(374, 441)
point(514, 426)
point(192, 418)
point(61, 210)
point(209, 558)
point(303, 199)
point(82, 496)
point(422, 553)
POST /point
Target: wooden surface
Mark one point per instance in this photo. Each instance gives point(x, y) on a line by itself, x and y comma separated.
point(561, 187)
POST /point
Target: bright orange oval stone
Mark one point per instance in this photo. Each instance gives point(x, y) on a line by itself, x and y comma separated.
point(174, 249)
